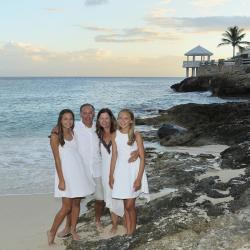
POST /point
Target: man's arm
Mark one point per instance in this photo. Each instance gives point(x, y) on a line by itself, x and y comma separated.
point(133, 156)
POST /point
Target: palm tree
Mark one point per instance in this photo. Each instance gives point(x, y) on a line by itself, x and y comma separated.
point(233, 36)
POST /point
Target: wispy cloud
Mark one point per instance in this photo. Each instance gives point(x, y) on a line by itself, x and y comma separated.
point(94, 28)
point(208, 4)
point(28, 60)
point(142, 34)
point(95, 2)
point(36, 53)
point(200, 24)
point(135, 35)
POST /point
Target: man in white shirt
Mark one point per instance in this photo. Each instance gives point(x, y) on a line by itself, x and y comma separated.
point(88, 145)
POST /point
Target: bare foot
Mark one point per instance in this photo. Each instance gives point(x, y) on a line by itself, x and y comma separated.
point(64, 233)
point(113, 230)
point(75, 236)
point(130, 234)
point(99, 226)
point(50, 238)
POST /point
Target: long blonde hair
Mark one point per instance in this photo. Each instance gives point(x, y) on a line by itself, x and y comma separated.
point(131, 131)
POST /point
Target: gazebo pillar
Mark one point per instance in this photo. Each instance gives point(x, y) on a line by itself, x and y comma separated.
point(193, 71)
point(187, 72)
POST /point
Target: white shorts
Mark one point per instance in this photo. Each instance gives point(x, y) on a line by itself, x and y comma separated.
point(98, 189)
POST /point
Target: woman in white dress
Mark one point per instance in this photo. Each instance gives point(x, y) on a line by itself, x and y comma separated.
point(72, 181)
point(105, 127)
point(127, 179)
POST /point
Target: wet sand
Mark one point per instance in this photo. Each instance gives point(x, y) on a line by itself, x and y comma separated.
point(25, 220)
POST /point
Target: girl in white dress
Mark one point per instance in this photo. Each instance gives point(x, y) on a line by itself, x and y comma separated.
point(105, 126)
point(72, 181)
point(127, 179)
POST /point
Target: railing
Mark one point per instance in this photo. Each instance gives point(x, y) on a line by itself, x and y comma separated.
point(237, 61)
point(212, 62)
point(197, 64)
point(246, 61)
point(228, 62)
point(191, 64)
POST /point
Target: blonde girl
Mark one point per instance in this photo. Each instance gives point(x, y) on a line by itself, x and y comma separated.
point(127, 179)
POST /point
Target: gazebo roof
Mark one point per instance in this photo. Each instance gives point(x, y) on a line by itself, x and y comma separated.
point(198, 51)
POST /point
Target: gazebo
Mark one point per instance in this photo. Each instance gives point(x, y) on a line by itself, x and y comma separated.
point(198, 51)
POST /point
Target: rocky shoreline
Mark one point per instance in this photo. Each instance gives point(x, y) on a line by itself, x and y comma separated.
point(198, 201)
point(222, 85)
point(201, 124)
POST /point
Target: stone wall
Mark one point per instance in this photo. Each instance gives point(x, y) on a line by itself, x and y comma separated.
point(215, 69)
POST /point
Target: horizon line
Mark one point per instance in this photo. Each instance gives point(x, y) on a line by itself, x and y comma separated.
point(91, 76)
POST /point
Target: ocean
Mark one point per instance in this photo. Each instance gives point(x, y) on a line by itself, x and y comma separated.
point(29, 108)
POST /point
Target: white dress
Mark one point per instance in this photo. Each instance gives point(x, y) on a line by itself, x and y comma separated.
point(78, 181)
point(115, 205)
point(126, 173)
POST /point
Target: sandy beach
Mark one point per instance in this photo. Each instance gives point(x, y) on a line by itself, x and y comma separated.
point(26, 218)
point(24, 221)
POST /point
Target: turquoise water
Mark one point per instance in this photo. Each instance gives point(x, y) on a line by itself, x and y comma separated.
point(29, 108)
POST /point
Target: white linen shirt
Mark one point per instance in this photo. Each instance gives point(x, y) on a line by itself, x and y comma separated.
point(88, 146)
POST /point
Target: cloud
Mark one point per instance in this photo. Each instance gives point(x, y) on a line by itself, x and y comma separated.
point(95, 2)
point(94, 28)
point(25, 52)
point(143, 34)
point(135, 35)
point(22, 59)
point(208, 4)
point(200, 24)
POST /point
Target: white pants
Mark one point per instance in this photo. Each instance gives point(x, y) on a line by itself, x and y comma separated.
point(98, 189)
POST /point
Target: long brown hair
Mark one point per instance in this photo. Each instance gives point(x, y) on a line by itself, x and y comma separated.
point(131, 131)
point(59, 124)
point(113, 125)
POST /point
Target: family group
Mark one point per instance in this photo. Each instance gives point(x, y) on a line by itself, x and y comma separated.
point(105, 159)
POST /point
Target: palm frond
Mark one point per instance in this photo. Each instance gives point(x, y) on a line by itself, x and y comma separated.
point(240, 47)
point(233, 35)
point(244, 42)
point(221, 44)
point(240, 31)
point(241, 36)
point(227, 34)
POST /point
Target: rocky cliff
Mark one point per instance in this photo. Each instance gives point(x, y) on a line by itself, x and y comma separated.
point(222, 85)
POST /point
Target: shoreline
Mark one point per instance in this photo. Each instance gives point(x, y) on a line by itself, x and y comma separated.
point(35, 194)
point(213, 149)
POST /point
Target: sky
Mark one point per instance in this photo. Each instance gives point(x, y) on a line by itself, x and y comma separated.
point(112, 37)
